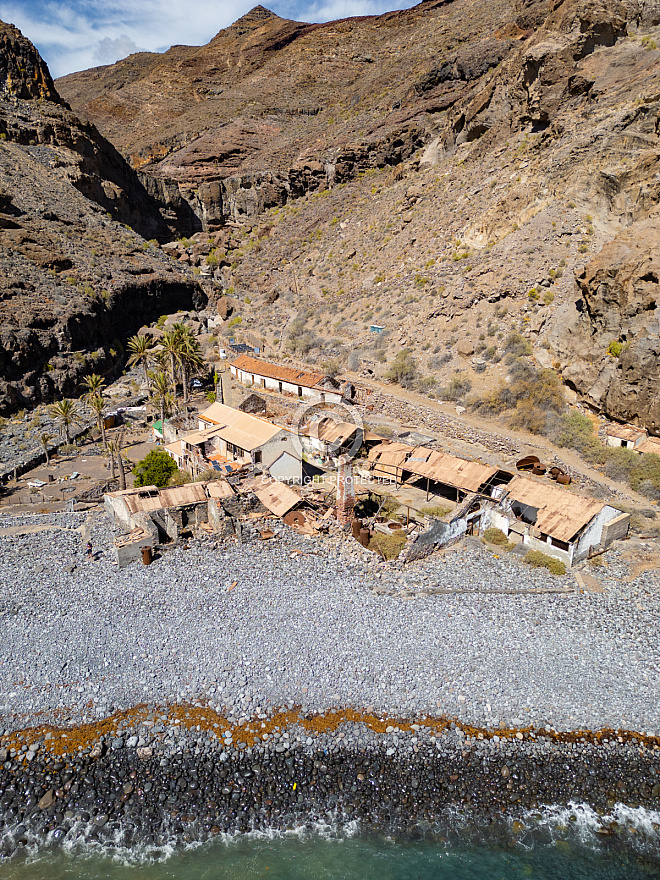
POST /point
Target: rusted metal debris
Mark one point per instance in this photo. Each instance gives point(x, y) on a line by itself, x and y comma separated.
point(533, 463)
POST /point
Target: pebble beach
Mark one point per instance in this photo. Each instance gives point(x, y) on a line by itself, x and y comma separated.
point(286, 678)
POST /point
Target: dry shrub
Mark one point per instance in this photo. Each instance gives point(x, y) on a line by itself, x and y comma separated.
point(389, 546)
point(496, 536)
point(541, 560)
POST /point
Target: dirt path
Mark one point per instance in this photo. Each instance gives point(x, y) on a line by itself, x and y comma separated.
point(545, 448)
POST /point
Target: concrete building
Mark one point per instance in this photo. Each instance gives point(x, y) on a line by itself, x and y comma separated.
point(153, 516)
point(304, 384)
point(627, 436)
point(547, 517)
point(228, 437)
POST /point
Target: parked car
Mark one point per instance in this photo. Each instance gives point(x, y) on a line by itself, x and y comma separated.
point(195, 384)
point(223, 354)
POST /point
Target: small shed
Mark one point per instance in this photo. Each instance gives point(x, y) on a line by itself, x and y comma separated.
point(626, 436)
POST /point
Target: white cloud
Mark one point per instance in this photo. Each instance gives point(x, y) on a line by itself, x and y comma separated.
point(108, 51)
point(79, 34)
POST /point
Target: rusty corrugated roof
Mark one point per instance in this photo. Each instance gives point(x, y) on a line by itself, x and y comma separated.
point(651, 444)
point(626, 432)
point(448, 469)
point(179, 496)
point(330, 431)
point(139, 499)
point(561, 514)
point(390, 458)
point(306, 378)
point(276, 496)
point(219, 489)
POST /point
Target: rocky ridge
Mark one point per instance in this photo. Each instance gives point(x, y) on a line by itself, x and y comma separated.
point(78, 275)
point(525, 147)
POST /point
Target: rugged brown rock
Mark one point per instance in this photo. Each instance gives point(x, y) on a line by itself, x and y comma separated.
point(271, 109)
point(76, 282)
point(456, 171)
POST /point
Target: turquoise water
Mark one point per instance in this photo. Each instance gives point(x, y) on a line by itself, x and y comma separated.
point(562, 844)
point(352, 859)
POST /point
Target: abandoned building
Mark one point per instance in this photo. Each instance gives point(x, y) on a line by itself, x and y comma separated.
point(438, 473)
point(153, 516)
point(626, 436)
point(560, 523)
point(326, 438)
point(228, 438)
point(649, 445)
point(305, 384)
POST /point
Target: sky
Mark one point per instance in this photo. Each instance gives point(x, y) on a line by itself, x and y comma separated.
point(78, 34)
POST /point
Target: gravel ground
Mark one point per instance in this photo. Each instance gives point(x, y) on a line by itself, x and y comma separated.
point(304, 625)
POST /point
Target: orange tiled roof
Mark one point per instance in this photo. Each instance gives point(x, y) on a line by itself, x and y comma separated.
point(276, 371)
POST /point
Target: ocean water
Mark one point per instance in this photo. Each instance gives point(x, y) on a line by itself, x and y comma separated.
point(572, 843)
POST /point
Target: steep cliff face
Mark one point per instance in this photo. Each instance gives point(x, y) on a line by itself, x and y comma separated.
point(76, 281)
point(271, 109)
point(610, 341)
point(23, 73)
point(468, 153)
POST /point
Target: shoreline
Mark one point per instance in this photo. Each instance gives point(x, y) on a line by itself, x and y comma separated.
point(467, 635)
point(132, 784)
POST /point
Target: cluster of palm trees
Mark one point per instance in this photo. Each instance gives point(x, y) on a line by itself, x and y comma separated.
point(176, 357)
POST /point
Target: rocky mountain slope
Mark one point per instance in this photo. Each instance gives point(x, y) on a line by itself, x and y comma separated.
point(78, 277)
point(454, 173)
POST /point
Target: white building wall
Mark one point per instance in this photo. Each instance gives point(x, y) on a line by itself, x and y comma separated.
point(286, 467)
point(594, 531)
point(273, 449)
point(281, 387)
point(544, 545)
point(493, 519)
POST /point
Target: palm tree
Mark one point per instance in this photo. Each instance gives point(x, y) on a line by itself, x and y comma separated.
point(141, 353)
point(95, 386)
point(97, 404)
point(171, 344)
point(161, 394)
point(45, 440)
point(190, 357)
point(112, 452)
point(119, 441)
point(66, 412)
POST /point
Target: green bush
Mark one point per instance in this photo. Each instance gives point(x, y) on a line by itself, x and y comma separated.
point(619, 463)
point(388, 546)
point(615, 348)
point(459, 385)
point(534, 397)
point(645, 475)
point(541, 560)
point(155, 469)
point(179, 478)
point(574, 431)
point(517, 346)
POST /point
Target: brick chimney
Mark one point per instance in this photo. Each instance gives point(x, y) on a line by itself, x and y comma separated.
point(345, 491)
